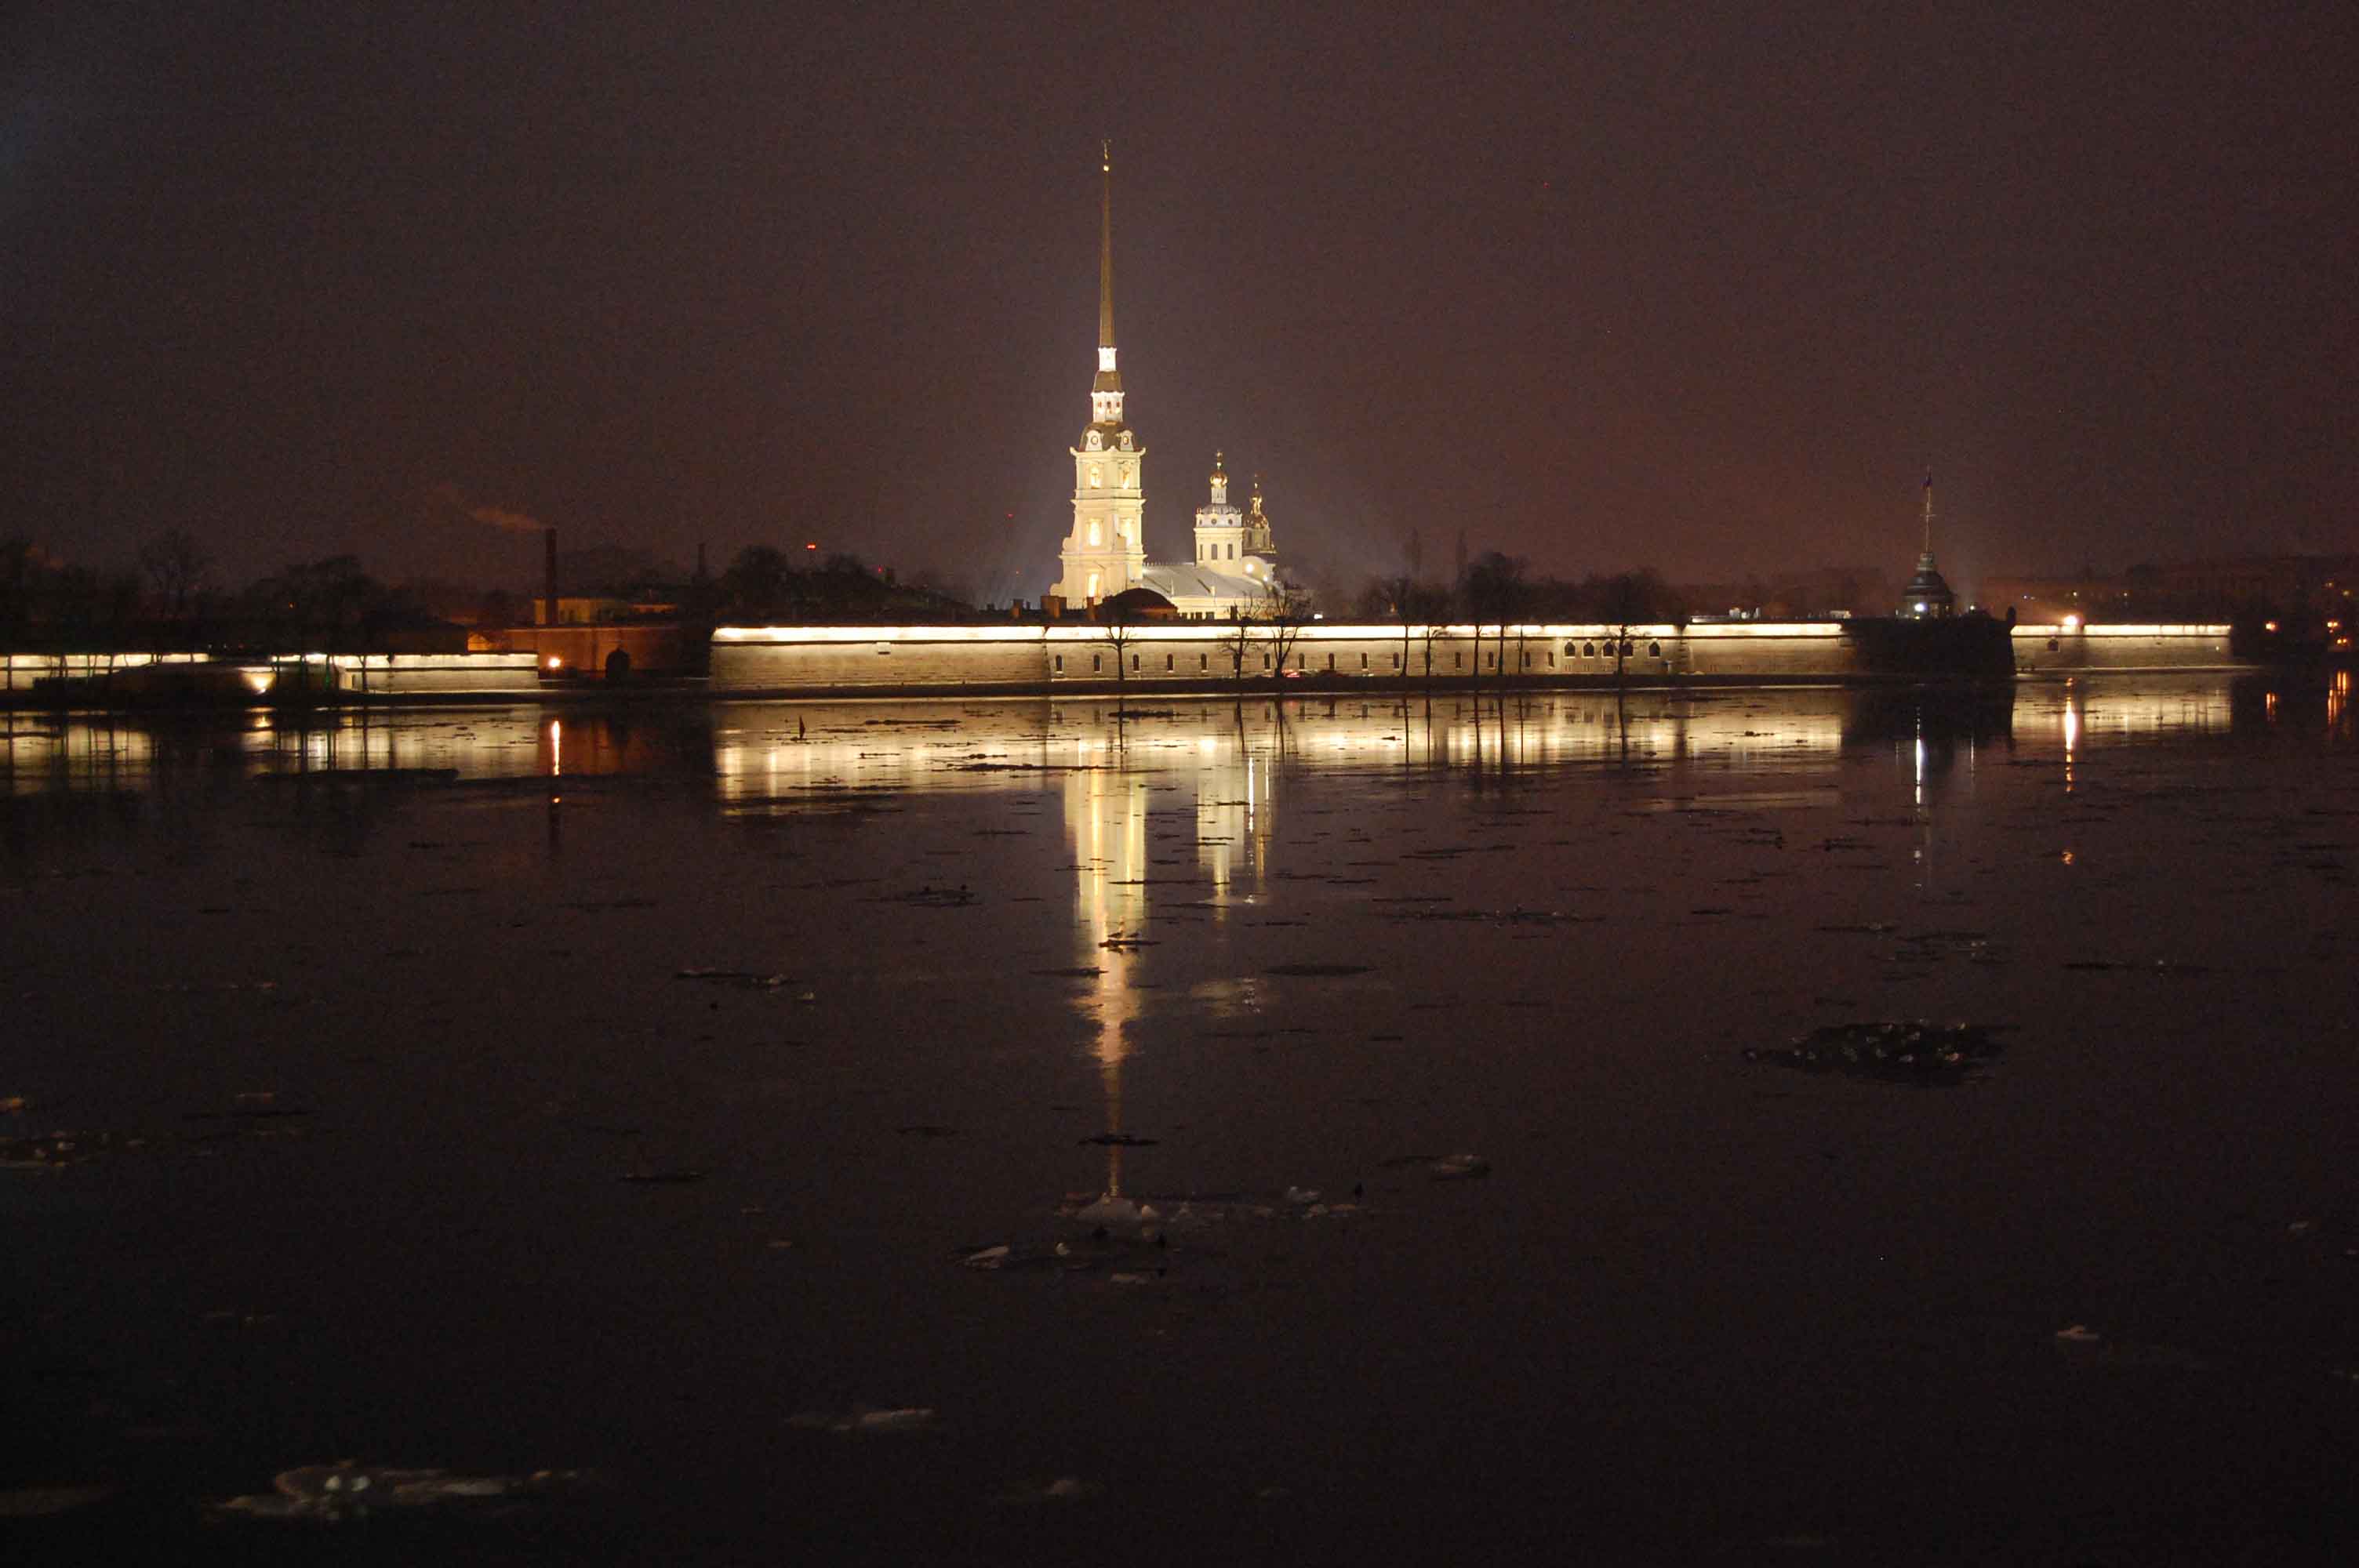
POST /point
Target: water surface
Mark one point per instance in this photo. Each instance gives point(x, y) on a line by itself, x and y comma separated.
point(374, 1021)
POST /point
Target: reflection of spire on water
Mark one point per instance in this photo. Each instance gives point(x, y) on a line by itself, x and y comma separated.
point(1105, 811)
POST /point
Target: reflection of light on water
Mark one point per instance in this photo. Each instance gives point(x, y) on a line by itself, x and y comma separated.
point(1105, 813)
point(2338, 697)
point(556, 747)
point(2071, 739)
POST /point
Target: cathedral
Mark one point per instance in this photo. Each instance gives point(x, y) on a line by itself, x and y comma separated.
point(1234, 571)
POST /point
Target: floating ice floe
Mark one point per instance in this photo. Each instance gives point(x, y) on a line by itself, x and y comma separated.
point(351, 1490)
point(867, 1421)
point(1910, 1051)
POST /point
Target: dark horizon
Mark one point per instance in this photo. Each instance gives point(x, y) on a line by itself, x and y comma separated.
point(1705, 293)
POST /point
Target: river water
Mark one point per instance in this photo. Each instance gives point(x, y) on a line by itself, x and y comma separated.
point(642, 1091)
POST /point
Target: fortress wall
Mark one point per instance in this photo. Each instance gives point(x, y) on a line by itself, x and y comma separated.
point(879, 658)
point(430, 675)
point(1198, 655)
point(1195, 654)
point(2061, 648)
point(1769, 650)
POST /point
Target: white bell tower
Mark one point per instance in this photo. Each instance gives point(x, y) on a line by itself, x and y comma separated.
point(1107, 551)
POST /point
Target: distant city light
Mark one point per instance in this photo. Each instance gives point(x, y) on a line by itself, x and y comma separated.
point(554, 662)
point(2071, 623)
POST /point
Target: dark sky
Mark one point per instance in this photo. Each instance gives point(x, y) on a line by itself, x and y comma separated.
point(1705, 288)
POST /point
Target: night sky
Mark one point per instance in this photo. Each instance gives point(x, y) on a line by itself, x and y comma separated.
point(1702, 287)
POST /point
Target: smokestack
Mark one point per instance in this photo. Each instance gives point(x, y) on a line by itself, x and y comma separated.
point(549, 574)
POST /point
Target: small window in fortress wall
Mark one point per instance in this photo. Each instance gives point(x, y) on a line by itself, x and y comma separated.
point(1167, 660)
point(1457, 661)
point(1364, 661)
point(1133, 661)
point(1265, 661)
point(1095, 663)
point(1654, 649)
point(1203, 661)
point(1058, 662)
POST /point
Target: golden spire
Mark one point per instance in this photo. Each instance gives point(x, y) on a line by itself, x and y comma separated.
point(1106, 245)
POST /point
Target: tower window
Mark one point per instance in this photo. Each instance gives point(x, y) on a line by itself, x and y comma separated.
point(1095, 538)
point(1097, 476)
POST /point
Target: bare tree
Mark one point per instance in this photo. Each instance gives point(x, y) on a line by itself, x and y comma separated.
point(1289, 614)
point(175, 564)
point(1495, 592)
point(1238, 641)
point(1116, 633)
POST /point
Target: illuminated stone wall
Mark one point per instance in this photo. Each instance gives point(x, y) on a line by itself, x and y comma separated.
point(2060, 647)
point(1196, 656)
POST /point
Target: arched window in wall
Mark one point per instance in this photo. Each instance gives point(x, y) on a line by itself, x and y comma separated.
point(1094, 539)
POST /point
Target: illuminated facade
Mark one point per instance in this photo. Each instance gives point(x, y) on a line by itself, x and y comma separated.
point(1234, 570)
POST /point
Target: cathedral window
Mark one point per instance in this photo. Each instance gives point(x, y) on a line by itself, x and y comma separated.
point(1092, 442)
point(1097, 476)
point(1094, 540)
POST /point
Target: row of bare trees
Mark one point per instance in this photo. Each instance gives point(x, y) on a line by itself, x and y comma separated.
point(1495, 591)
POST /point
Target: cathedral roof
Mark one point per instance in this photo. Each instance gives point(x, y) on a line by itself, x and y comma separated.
point(1187, 580)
